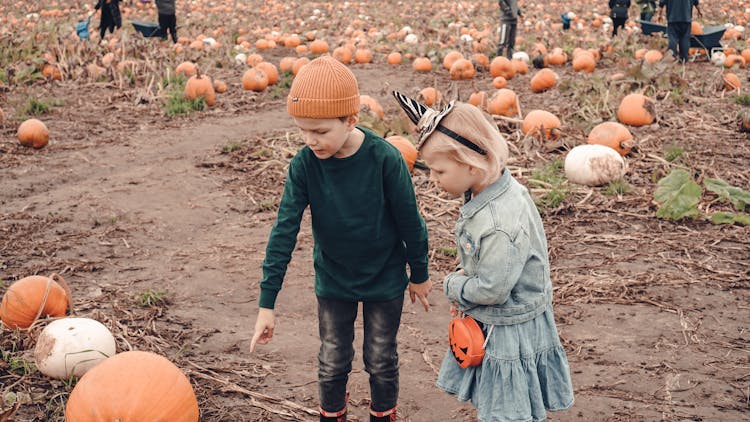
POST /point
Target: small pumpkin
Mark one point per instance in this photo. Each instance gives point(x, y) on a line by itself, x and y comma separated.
point(429, 96)
point(466, 341)
point(32, 297)
point(584, 61)
point(451, 58)
point(371, 105)
point(133, 386)
point(422, 64)
point(594, 165)
point(394, 58)
point(543, 80)
point(363, 55)
point(407, 149)
point(200, 86)
point(542, 125)
point(478, 99)
point(636, 110)
point(71, 346)
point(220, 86)
point(33, 133)
point(298, 64)
point(731, 82)
point(462, 69)
point(319, 47)
point(653, 56)
point(186, 69)
point(254, 79)
point(342, 54)
point(613, 135)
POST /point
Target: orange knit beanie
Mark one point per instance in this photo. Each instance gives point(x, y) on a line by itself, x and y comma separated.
point(323, 89)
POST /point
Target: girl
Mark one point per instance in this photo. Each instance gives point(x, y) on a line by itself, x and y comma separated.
point(110, 16)
point(503, 280)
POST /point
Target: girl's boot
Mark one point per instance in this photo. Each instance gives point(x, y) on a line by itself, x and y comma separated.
point(384, 416)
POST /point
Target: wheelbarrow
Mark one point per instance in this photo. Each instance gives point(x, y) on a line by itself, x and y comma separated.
point(147, 29)
point(82, 29)
point(709, 40)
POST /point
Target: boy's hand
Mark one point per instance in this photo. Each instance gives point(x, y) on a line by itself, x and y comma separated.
point(420, 291)
point(264, 326)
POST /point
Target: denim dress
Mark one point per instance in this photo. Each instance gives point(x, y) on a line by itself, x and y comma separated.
point(504, 284)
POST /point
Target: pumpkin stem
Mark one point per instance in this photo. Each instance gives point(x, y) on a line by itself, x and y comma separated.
point(57, 277)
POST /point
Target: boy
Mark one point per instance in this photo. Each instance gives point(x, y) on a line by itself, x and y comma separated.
point(366, 227)
point(679, 20)
point(167, 19)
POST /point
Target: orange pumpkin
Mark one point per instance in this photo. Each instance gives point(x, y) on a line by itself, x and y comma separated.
point(584, 61)
point(270, 70)
point(254, 79)
point(478, 99)
point(133, 386)
point(200, 86)
point(319, 47)
point(220, 86)
point(298, 64)
point(613, 135)
point(501, 66)
point(186, 69)
point(653, 56)
point(543, 80)
point(636, 110)
point(422, 64)
point(394, 58)
point(542, 125)
point(33, 133)
point(466, 341)
point(451, 58)
point(731, 82)
point(371, 105)
point(504, 102)
point(342, 54)
point(25, 299)
point(429, 96)
point(462, 69)
point(407, 149)
point(363, 55)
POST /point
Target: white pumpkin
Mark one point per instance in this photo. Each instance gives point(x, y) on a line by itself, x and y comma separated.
point(72, 346)
point(718, 58)
point(594, 165)
point(521, 55)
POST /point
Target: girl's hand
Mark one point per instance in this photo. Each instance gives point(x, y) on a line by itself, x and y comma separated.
point(264, 326)
point(455, 313)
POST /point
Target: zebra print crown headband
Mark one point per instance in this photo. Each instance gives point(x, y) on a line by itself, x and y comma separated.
point(428, 120)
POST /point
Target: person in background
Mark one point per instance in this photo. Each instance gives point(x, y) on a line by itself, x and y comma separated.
point(167, 19)
point(648, 7)
point(679, 21)
point(618, 13)
point(508, 22)
point(110, 16)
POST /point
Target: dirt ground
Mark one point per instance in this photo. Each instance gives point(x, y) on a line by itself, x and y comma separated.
point(654, 315)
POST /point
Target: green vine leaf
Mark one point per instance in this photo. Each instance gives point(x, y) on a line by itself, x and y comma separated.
point(738, 197)
point(730, 218)
point(678, 196)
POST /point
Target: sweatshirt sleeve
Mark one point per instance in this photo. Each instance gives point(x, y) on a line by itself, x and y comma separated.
point(283, 235)
point(500, 265)
point(399, 191)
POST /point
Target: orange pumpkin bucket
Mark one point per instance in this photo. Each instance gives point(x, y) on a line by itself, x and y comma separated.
point(467, 341)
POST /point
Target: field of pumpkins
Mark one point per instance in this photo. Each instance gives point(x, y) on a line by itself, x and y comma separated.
point(139, 179)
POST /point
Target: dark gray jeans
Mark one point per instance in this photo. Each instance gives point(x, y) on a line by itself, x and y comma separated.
point(679, 39)
point(336, 325)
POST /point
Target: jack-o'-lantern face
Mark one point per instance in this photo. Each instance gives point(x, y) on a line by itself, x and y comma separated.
point(466, 339)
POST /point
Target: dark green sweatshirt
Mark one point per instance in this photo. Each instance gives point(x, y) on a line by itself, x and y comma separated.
point(365, 222)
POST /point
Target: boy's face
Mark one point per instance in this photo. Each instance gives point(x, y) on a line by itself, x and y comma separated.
point(327, 137)
point(448, 174)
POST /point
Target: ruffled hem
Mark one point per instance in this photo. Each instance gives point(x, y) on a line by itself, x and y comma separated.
point(519, 379)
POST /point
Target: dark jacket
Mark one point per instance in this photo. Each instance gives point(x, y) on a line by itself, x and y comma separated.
point(165, 7)
point(619, 8)
point(111, 17)
point(679, 10)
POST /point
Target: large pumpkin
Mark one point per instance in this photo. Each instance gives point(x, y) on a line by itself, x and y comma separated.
point(636, 110)
point(133, 386)
point(33, 133)
point(594, 165)
point(504, 102)
point(613, 135)
point(407, 149)
point(542, 125)
point(32, 297)
point(543, 80)
point(200, 86)
point(72, 346)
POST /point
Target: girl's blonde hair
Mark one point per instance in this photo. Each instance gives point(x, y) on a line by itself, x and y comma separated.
point(476, 126)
